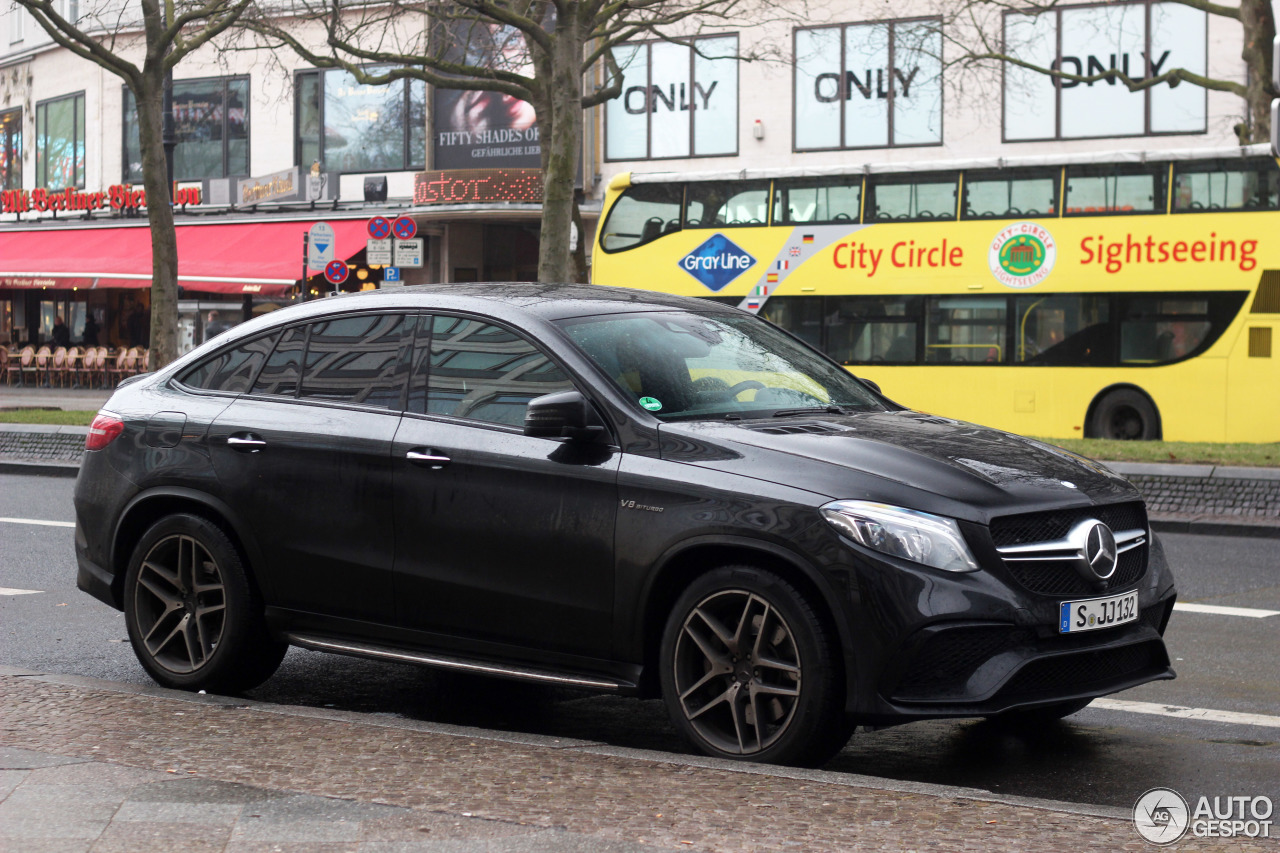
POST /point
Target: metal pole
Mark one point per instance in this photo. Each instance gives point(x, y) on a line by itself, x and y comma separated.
point(306, 246)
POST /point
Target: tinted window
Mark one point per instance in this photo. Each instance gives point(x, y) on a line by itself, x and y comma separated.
point(486, 373)
point(799, 315)
point(643, 213)
point(873, 329)
point(280, 374)
point(231, 370)
point(353, 359)
point(1067, 328)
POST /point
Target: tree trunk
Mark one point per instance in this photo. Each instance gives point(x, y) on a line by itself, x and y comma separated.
point(1259, 24)
point(164, 239)
point(560, 151)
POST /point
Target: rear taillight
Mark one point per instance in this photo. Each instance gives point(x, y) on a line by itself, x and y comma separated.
point(104, 430)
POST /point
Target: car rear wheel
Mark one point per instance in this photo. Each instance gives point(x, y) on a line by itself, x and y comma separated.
point(193, 618)
point(750, 672)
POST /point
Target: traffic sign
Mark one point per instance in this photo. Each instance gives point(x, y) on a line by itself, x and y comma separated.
point(379, 228)
point(336, 272)
point(404, 228)
point(409, 252)
point(391, 275)
point(320, 245)
point(378, 252)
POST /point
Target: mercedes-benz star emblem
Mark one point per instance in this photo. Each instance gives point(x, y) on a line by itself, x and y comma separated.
point(1100, 550)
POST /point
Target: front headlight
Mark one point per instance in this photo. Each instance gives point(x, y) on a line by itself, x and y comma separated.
point(916, 536)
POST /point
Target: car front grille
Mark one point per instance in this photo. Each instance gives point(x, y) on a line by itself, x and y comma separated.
point(1054, 575)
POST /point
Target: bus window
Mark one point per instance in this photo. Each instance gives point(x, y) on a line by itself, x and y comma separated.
point(918, 198)
point(872, 329)
point(829, 200)
point(1115, 188)
point(1006, 194)
point(965, 330)
point(719, 204)
point(1064, 329)
point(1226, 185)
point(1157, 330)
point(799, 315)
point(641, 215)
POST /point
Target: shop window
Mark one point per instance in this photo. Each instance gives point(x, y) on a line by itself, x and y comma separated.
point(347, 126)
point(484, 372)
point(11, 149)
point(678, 100)
point(868, 85)
point(60, 133)
point(211, 126)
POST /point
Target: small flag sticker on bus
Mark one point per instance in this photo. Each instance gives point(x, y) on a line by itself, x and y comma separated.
point(772, 277)
point(782, 265)
point(761, 290)
point(795, 251)
point(753, 304)
point(808, 238)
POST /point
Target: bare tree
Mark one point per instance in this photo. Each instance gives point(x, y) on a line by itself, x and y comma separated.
point(113, 37)
point(536, 51)
point(976, 36)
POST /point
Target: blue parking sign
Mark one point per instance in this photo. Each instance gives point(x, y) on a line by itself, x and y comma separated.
point(391, 273)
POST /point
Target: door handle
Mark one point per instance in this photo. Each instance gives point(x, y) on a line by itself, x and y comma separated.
point(245, 443)
point(428, 458)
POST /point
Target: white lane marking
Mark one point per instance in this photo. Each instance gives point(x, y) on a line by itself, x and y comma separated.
point(40, 522)
point(1206, 714)
point(1219, 610)
point(4, 590)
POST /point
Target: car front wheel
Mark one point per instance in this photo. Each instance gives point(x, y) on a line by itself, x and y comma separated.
point(749, 671)
point(193, 617)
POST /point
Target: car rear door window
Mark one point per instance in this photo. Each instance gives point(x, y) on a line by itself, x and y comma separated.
point(485, 372)
point(232, 370)
point(354, 360)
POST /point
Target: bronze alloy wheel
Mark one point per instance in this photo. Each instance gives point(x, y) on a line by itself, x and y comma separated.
point(180, 604)
point(738, 671)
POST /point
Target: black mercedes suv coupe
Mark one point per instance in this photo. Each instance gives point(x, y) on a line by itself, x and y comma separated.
point(614, 490)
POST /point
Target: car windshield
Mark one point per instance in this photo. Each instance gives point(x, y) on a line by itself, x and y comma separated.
point(684, 366)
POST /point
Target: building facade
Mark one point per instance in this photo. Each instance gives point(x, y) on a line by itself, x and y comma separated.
point(268, 146)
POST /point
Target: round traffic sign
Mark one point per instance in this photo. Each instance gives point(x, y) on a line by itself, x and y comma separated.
point(380, 228)
point(404, 228)
point(336, 271)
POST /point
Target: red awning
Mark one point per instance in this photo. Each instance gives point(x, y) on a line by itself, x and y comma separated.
point(243, 257)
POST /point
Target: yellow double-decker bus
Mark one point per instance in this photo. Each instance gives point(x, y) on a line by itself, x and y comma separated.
point(1133, 295)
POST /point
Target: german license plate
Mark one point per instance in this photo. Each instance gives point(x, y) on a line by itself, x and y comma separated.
point(1095, 613)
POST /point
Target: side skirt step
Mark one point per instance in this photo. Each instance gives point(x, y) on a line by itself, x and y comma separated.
point(365, 650)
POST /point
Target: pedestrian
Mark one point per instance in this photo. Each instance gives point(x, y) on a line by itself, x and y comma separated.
point(61, 334)
point(214, 325)
point(90, 334)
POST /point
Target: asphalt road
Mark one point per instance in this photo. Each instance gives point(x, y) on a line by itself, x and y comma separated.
point(1102, 755)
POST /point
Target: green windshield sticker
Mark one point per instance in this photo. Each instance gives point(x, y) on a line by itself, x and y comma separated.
point(650, 403)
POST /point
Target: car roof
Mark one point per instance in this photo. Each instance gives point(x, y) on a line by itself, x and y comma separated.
point(543, 300)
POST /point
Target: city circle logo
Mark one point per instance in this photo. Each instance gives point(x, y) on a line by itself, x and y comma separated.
point(717, 262)
point(1161, 816)
point(1022, 255)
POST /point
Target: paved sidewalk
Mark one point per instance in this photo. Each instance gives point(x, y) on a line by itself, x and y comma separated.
point(96, 766)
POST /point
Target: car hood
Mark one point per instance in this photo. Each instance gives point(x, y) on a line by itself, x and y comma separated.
point(906, 458)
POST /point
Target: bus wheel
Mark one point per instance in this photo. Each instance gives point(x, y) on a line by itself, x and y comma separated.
point(1125, 415)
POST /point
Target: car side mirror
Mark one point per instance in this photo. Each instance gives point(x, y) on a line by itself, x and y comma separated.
point(565, 414)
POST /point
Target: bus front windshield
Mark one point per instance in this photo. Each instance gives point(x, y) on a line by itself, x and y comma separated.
point(685, 366)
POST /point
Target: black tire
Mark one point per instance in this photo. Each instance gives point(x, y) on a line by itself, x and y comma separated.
point(1033, 718)
point(1125, 415)
point(741, 644)
point(194, 619)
